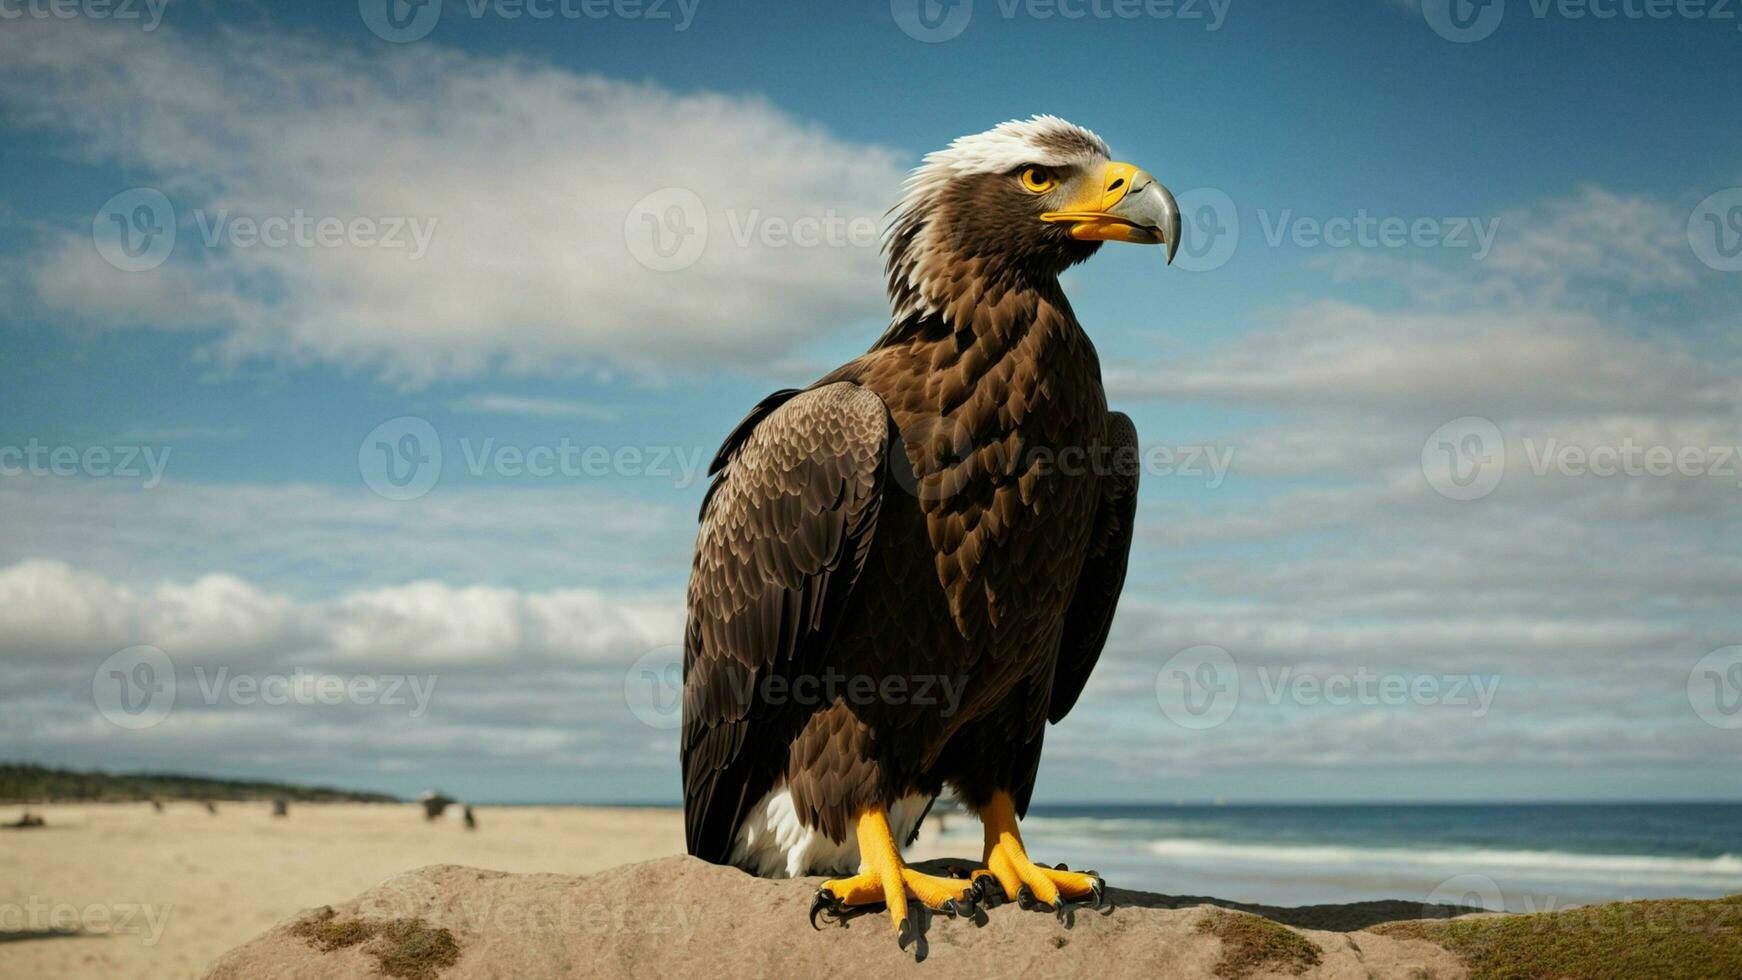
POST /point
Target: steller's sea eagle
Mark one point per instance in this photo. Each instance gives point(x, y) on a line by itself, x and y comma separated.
point(905, 570)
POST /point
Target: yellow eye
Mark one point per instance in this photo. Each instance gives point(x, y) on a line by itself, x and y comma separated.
point(1039, 180)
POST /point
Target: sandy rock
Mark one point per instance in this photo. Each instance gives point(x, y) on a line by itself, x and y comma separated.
point(682, 917)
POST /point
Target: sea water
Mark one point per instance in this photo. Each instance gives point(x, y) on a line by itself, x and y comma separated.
point(1517, 857)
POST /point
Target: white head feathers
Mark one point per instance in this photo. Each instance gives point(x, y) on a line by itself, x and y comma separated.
point(911, 243)
point(1045, 140)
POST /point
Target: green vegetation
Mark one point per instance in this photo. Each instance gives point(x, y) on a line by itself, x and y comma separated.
point(1665, 939)
point(40, 784)
point(1251, 943)
point(405, 948)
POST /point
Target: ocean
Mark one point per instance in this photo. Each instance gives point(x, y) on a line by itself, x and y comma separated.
point(1525, 857)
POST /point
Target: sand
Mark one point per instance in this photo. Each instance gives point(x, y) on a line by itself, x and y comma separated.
point(680, 917)
point(147, 895)
point(119, 890)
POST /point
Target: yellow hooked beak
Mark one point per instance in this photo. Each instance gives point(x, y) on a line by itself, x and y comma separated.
point(1125, 205)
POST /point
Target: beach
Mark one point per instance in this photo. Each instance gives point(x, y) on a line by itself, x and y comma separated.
point(120, 890)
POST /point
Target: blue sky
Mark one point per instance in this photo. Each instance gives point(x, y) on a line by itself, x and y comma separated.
point(1599, 610)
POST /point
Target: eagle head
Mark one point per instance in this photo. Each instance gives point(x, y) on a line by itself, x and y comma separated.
point(1022, 201)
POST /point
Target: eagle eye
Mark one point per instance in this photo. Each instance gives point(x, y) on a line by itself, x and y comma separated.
point(1038, 180)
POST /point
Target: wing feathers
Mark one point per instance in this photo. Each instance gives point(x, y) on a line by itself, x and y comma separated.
point(1090, 616)
point(785, 530)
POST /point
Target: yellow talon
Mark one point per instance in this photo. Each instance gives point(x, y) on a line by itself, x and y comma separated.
point(884, 878)
point(1011, 871)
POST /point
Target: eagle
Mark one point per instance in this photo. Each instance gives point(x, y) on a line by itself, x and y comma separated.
point(906, 570)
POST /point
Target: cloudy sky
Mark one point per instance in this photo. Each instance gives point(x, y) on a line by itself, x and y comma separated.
point(360, 361)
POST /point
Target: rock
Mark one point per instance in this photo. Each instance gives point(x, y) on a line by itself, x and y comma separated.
point(682, 917)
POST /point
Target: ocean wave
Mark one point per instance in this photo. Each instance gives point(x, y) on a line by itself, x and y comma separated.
point(1547, 863)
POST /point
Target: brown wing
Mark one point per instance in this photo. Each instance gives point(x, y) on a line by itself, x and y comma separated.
point(785, 530)
point(1090, 616)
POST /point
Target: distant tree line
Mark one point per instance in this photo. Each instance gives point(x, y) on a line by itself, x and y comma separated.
point(22, 783)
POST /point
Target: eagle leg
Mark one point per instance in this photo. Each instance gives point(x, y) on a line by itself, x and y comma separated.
point(1010, 875)
point(883, 878)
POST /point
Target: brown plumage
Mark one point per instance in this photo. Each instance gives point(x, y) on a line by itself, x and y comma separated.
point(953, 508)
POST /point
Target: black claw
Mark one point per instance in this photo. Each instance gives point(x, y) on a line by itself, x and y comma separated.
point(966, 908)
point(988, 893)
point(912, 932)
point(827, 903)
point(836, 912)
point(1060, 867)
point(1098, 891)
point(1025, 899)
point(1097, 901)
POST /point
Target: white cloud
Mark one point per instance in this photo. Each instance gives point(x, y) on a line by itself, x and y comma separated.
point(49, 606)
point(320, 542)
point(527, 172)
point(216, 615)
point(1334, 356)
point(547, 408)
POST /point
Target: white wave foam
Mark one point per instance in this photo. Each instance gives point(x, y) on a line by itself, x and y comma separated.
point(1546, 863)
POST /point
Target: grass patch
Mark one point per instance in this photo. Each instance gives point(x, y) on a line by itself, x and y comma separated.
point(1251, 943)
point(1666, 939)
point(405, 948)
